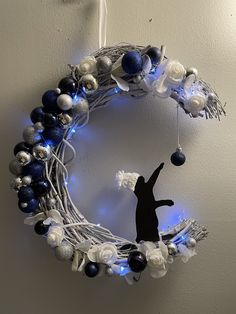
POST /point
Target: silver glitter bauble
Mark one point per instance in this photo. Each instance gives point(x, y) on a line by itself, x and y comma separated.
point(109, 271)
point(15, 168)
point(16, 183)
point(88, 83)
point(26, 180)
point(30, 135)
point(81, 106)
point(172, 248)
point(191, 242)
point(38, 126)
point(51, 203)
point(192, 70)
point(211, 97)
point(24, 158)
point(65, 119)
point(64, 102)
point(104, 64)
point(64, 251)
point(42, 152)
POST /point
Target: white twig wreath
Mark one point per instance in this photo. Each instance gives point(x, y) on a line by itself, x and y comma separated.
point(41, 172)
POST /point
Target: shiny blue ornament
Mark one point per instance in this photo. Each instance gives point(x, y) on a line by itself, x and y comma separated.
point(91, 269)
point(30, 206)
point(37, 115)
point(137, 261)
point(25, 193)
point(132, 62)
point(49, 101)
point(50, 120)
point(34, 169)
point(22, 146)
point(40, 228)
point(178, 158)
point(53, 136)
point(68, 86)
point(154, 54)
point(41, 187)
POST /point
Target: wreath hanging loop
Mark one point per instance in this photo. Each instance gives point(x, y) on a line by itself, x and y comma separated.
point(40, 163)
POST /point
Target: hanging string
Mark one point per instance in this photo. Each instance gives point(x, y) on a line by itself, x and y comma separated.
point(102, 23)
point(178, 140)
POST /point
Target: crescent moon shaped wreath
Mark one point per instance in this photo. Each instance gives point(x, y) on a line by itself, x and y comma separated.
point(40, 163)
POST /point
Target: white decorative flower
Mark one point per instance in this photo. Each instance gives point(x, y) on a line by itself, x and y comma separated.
point(55, 236)
point(175, 72)
point(126, 179)
point(195, 103)
point(186, 253)
point(87, 66)
point(105, 253)
point(155, 259)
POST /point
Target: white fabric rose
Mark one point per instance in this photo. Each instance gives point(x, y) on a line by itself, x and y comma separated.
point(126, 179)
point(155, 259)
point(175, 72)
point(194, 104)
point(105, 253)
point(55, 236)
point(186, 253)
point(87, 66)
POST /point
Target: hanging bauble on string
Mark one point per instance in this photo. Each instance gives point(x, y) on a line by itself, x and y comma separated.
point(178, 158)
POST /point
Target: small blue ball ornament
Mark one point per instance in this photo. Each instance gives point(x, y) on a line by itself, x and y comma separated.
point(37, 115)
point(25, 193)
point(40, 228)
point(34, 169)
point(132, 62)
point(137, 261)
point(22, 147)
point(68, 85)
point(41, 187)
point(91, 269)
point(50, 120)
point(154, 54)
point(49, 100)
point(53, 136)
point(178, 158)
point(30, 206)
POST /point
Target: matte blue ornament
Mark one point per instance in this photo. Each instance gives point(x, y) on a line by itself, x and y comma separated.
point(53, 136)
point(178, 158)
point(41, 187)
point(22, 146)
point(34, 169)
point(37, 115)
point(154, 54)
point(25, 193)
point(132, 62)
point(40, 228)
point(50, 120)
point(30, 206)
point(49, 100)
point(91, 269)
point(68, 85)
point(137, 261)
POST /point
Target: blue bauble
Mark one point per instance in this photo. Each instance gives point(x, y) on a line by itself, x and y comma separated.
point(137, 261)
point(34, 169)
point(132, 62)
point(40, 228)
point(25, 193)
point(91, 269)
point(37, 115)
point(154, 54)
point(30, 206)
point(22, 146)
point(178, 158)
point(49, 100)
point(53, 136)
point(50, 120)
point(68, 85)
point(41, 187)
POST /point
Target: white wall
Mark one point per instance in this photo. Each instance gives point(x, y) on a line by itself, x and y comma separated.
point(38, 39)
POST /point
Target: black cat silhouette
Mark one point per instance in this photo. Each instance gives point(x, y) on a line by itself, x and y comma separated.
point(146, 218)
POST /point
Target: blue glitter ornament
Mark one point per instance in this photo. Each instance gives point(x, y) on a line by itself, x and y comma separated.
point(137, 261)
point(53, 136)
point(154, 54)
point(34, 169)
point(30, 206)
point(91, 269)
point(25, 193)
point(37, 115)
point(49, 100)
point(132, 62)
point(40, 228)
point(178, 158)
